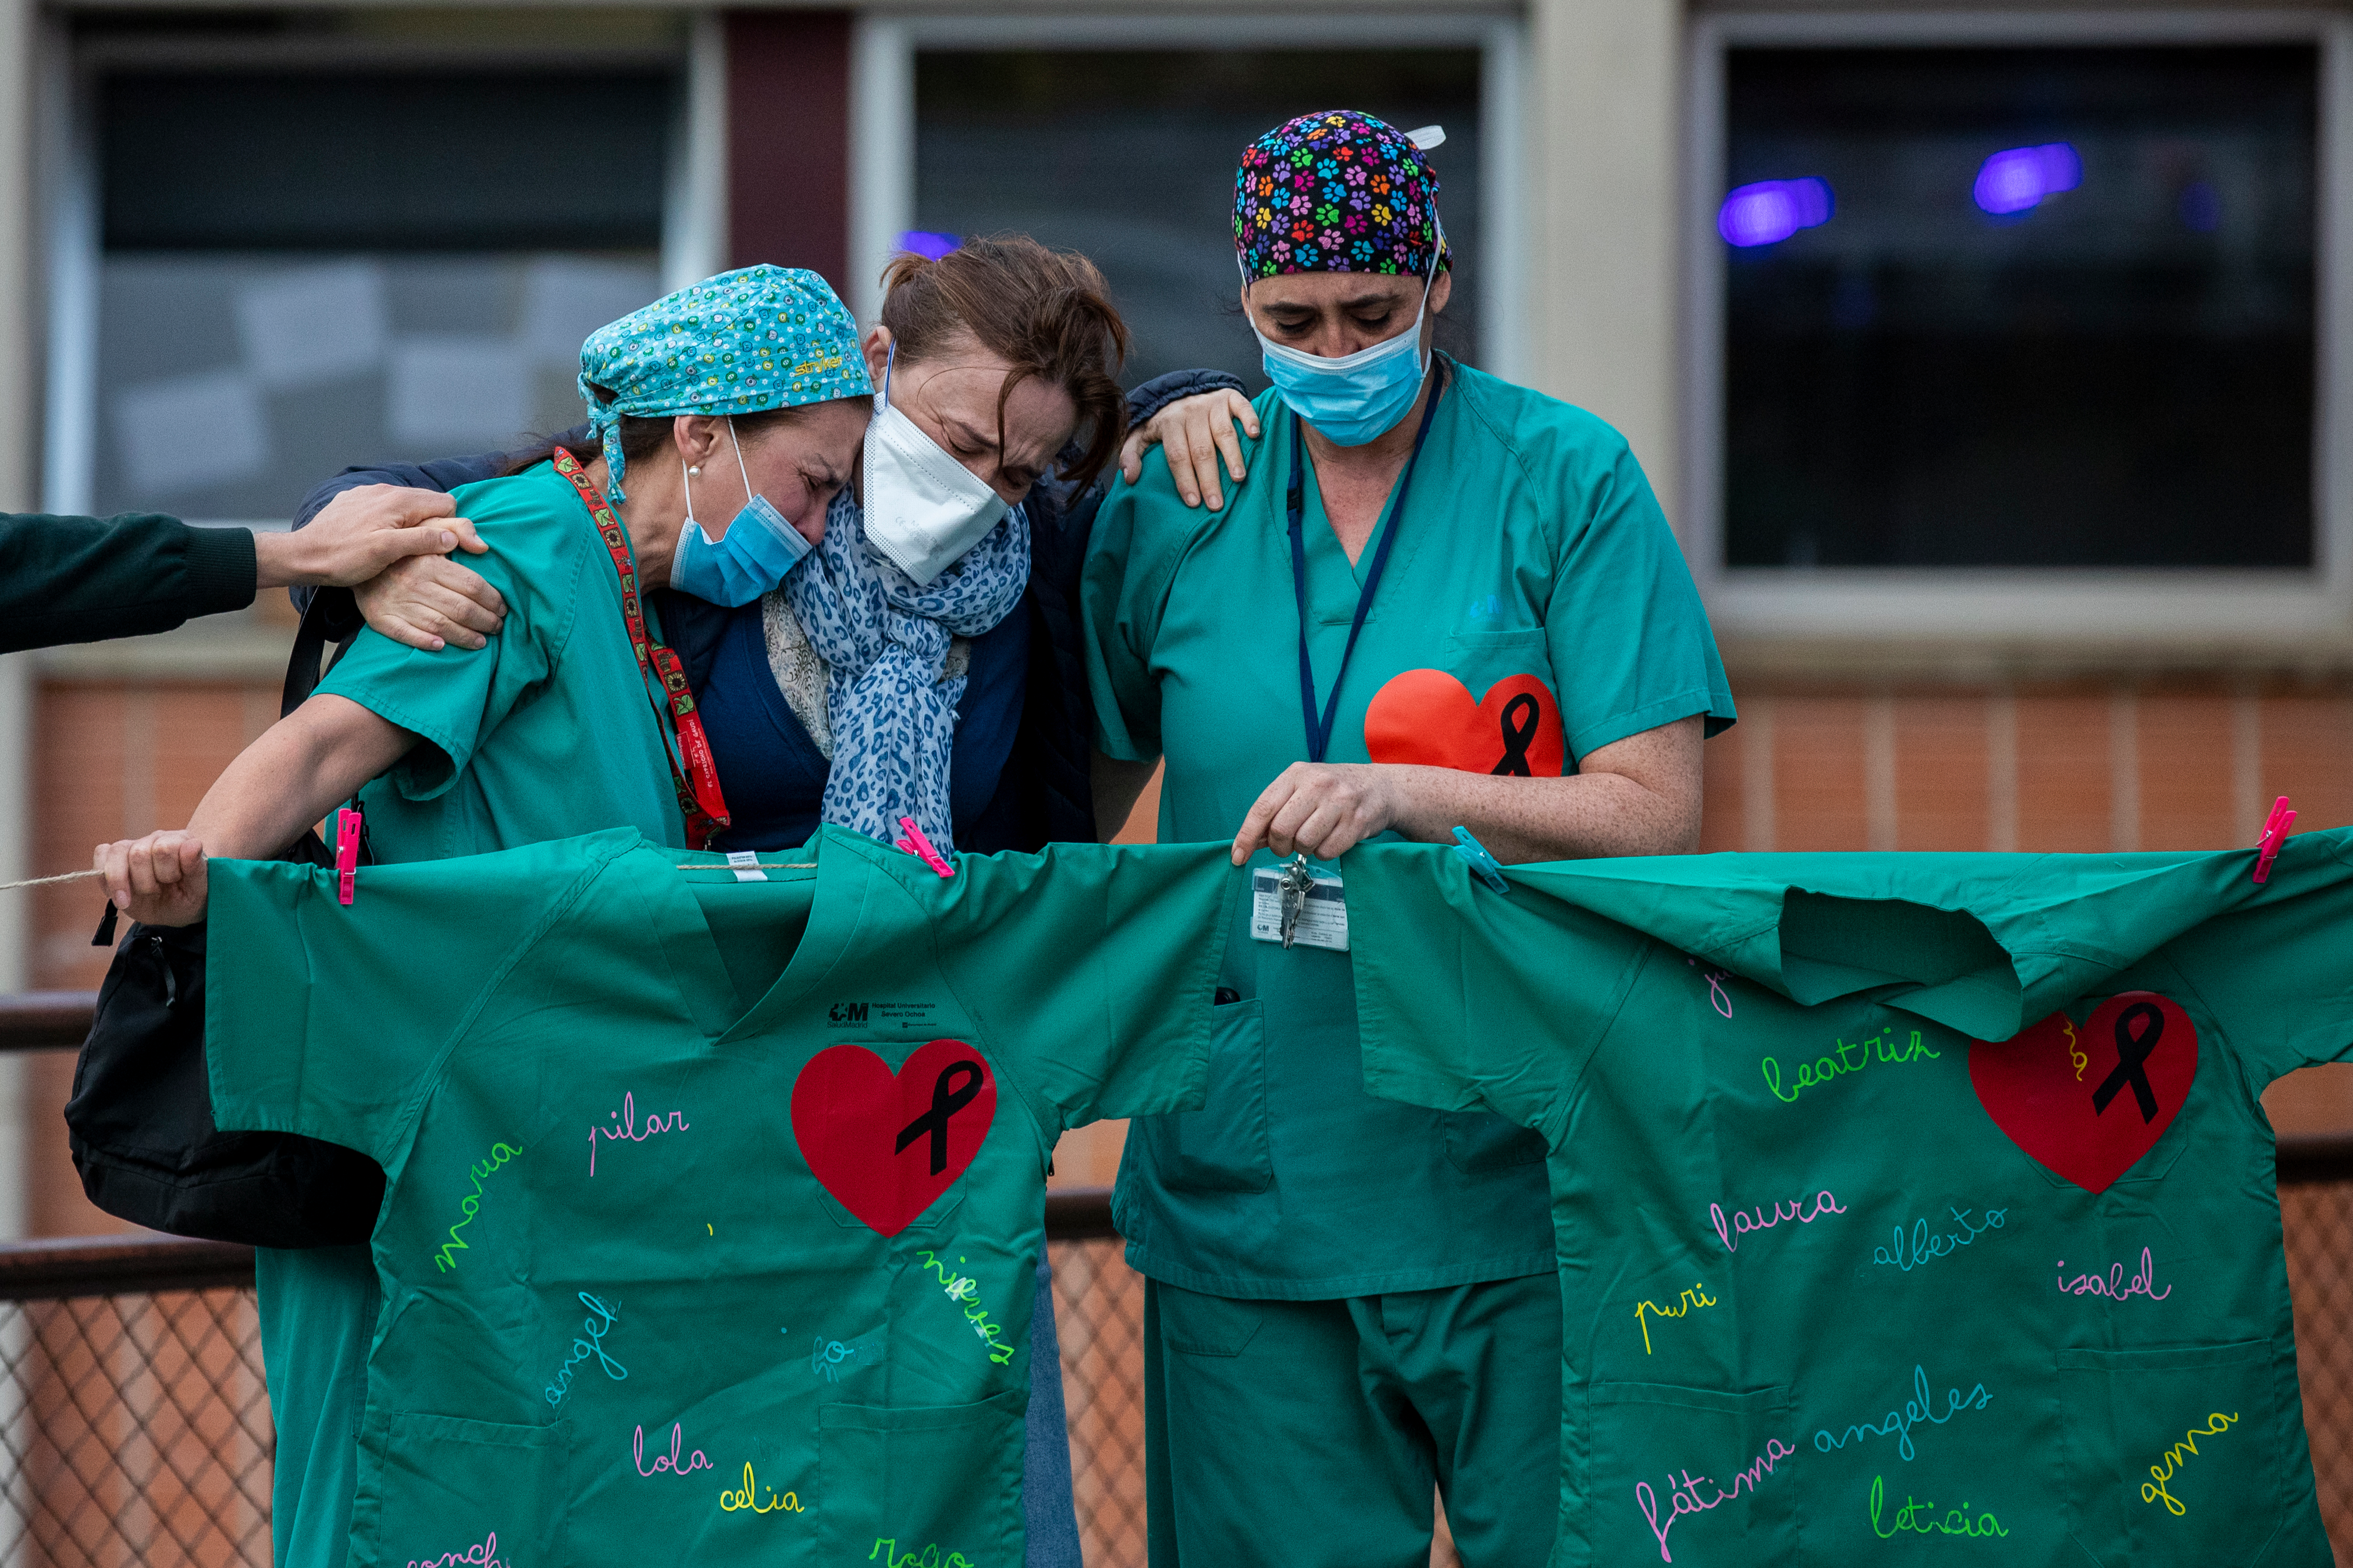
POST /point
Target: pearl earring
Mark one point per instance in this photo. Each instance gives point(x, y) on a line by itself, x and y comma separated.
point(691, 471)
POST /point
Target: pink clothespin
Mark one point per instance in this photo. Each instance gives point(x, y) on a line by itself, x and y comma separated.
point(916, 844)
point(2275, 828)
point(347, 853)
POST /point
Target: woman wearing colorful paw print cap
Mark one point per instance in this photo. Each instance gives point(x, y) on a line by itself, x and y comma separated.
point(1434, 599)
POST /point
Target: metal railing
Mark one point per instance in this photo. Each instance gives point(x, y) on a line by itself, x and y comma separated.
point(134, 1428)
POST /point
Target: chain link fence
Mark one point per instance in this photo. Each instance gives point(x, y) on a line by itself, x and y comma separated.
point(135, 1429)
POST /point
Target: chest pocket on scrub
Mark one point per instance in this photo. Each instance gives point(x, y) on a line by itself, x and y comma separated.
point(1222, 1147)
point(1491, 709)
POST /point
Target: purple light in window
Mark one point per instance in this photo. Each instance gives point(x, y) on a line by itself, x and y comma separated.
point(925, 243)
point(2019, 178)
point(1772, 210)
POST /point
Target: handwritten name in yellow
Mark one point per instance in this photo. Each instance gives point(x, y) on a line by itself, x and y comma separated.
point(735, 1501)
point(1843, 1059)
point(2161, 1473)
point(811, 366)
point(1691, 1300)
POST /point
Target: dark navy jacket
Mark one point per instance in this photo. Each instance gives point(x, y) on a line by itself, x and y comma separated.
point(1042, 794)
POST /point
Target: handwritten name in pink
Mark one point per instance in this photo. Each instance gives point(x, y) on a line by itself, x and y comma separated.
point(625, 1128)
point(482, 1554)
point(671, 1462)
point(1684, 1491)
point(1743, 1222)
point(2112, 1284)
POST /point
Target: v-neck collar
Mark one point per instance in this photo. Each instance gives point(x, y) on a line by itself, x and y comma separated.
point(838, 900)
point(1328, 566)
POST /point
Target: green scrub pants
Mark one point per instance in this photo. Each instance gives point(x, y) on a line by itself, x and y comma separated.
point(1310, 1433)
point(318, 1317)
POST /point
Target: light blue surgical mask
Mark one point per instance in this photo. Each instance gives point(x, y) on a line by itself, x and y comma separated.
point(758, 549)
point(1358, 397)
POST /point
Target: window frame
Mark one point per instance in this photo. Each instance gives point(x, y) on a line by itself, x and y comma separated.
point(2115, 606)
point(882, 122)
point(694, 216)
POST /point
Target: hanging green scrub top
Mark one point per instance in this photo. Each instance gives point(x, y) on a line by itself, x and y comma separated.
point(546, 733)
point(1534, 608)
point(1906, 1205)
point(715, 1204)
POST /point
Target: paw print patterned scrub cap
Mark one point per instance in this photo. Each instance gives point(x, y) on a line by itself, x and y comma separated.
point(758, 338)
point(1335, 192)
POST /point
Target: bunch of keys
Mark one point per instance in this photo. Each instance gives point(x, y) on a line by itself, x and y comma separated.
point(1296, 880)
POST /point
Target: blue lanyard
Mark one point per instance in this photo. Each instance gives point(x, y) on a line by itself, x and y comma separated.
point(1319, 733)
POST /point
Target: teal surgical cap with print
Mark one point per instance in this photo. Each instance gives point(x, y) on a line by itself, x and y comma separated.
point(758, 338)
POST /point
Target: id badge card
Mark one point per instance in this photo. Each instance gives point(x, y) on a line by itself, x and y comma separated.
point(1323, 915)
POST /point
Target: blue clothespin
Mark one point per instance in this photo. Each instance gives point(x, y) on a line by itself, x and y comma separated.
point(1482, 863)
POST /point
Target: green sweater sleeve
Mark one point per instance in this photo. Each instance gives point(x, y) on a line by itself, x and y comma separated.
point(85, 579)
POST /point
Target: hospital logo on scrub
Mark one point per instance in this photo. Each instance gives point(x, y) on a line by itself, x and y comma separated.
point(887, 1145)
point(1428, 718)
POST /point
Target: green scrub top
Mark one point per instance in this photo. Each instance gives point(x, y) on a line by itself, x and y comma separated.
point(1921, 1199)
point(1534, 608)
point(547, 732)
point(714, 1207)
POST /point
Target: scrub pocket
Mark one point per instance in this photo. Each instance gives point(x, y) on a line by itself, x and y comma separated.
point(938, 1486)
point(1222, 1147)
point(2171, 1457)
point(1480, 1142)
point(1672, 1471)
point(434, 1486)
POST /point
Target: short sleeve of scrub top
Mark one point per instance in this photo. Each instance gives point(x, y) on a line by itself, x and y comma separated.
point(550, 731)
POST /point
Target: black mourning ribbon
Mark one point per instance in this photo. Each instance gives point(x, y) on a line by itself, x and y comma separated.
point(947, 1097)
point(2132, 1051)
point(1519, 726)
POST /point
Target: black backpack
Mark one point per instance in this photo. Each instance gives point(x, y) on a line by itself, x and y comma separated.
point(140, 1122)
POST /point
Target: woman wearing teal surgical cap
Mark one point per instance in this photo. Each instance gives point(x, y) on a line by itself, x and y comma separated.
point(741, 399)
point(1431, 599)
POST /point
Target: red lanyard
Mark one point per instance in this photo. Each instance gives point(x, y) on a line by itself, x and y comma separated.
point(698, 784)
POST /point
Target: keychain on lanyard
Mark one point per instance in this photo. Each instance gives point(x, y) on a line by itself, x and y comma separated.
point(696, 782)
point(1319, 731)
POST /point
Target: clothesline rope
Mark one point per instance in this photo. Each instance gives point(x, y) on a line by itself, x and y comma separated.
point(46, 881)
point(694, 866)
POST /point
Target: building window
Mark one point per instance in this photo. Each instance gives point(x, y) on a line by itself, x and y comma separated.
point(1128, 155)
point(2019, 308)
point(350, 266)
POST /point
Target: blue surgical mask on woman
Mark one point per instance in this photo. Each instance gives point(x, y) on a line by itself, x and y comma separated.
point(1356, 398)
point(758, 549)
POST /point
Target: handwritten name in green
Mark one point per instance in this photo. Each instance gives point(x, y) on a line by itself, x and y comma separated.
point(472, 1205)
point(1846, 1058)
point(961, 1289)
point(1913, 1518)
point(887, 1552)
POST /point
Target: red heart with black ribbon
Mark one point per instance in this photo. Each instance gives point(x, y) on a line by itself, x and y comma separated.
point(2089, 1102)
point(1429, 717)
point(887, 1145)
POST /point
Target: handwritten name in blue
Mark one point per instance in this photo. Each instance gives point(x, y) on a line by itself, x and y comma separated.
point(1922, 1246)
point(599, 1319)
point(1920, 1408)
